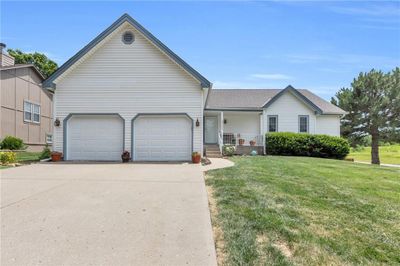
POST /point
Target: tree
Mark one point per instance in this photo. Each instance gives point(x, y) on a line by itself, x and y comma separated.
point(373, 106)
point(41, 61)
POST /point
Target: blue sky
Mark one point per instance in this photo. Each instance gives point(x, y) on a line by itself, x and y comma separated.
point(320, 45)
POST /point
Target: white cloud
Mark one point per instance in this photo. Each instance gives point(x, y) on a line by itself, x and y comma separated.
point(372, 10)
point(344, 59)
point(271, 76)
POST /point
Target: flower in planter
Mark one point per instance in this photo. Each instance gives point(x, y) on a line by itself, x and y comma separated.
point(196, 157)
point(125, 156)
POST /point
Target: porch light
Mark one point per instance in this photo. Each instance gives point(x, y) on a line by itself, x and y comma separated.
point(225, 121)
point(197, 123)
point(57, 122)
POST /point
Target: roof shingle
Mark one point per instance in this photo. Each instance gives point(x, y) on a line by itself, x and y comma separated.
point(255, 99)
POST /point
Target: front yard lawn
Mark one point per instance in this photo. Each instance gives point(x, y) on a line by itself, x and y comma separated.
point(387, 154)
point(276, 210)
point(26, 156)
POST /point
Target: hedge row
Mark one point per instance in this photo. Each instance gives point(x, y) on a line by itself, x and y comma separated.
point(300, 144)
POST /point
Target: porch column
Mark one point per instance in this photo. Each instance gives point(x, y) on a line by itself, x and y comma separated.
point(262, 131)
point(222, 127)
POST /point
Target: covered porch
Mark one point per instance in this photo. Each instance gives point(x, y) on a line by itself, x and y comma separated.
point(243, 129)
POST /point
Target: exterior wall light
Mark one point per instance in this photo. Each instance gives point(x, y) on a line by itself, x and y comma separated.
point(197, 123)
point(57, 122)
point(225, 121)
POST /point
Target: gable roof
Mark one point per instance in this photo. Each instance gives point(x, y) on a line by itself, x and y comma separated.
point(23, 66)
point(258, 99)
point(126, 18)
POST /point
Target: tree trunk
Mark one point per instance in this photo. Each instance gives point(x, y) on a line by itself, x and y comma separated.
point(375, 147)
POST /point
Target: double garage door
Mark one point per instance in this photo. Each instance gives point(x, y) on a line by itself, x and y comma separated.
point(154, 138)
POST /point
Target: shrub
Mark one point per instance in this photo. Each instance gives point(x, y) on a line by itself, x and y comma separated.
point(46, 153)
point(12, 143)
point(300, 144)
point(228, 150)
point(8, 157)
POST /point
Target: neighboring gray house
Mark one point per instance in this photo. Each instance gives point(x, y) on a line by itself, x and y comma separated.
point(126, 90)
point(26, 108)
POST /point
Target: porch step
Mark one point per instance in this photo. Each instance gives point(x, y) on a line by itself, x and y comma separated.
point(212, 151)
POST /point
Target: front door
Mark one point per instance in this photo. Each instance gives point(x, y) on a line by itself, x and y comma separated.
point(211, 130)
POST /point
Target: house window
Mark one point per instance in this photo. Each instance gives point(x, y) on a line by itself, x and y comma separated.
point(272, 123)
point(303, 124)
point(31, 112)
point(49, 138)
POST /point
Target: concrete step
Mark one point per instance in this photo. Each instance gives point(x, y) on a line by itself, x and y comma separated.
point(212, 151)
point(213, 154)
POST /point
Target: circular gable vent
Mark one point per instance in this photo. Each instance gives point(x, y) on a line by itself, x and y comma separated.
point(128, 37)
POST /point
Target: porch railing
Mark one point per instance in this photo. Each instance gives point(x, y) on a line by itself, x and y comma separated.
point(244, 139)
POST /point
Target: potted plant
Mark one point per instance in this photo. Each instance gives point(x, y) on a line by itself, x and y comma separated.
point(125, 156)
point(56, 156)
point(196, 157)
point(241, 142)
point(252, 142)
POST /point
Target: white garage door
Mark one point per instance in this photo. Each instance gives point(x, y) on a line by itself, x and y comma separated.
point(95, 137)
point(162, 138)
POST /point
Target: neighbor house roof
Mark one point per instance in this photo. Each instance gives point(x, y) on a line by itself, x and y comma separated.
point(23, 66)
point(126, 18)
point(257, 99)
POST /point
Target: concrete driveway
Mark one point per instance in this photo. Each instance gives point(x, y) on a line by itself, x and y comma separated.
point(105, 214)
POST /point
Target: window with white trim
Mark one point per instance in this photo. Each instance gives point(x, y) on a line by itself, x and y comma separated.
point(272, 123)
point(49, 138)
point(31, 112)
point(303, 123)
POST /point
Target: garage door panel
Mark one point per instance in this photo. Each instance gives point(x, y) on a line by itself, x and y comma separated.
point(95, 137)
point(166, 138)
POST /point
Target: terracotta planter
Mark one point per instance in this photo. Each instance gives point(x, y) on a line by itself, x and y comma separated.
point(196, 158)
point(241, 141)
point(252, 143)
point(56, 156)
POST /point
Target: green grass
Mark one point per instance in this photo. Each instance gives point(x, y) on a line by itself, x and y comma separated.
point(26, 156)
point(387, 154)
point(276, 210)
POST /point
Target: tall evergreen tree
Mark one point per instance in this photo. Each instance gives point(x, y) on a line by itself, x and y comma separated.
point(373, 106)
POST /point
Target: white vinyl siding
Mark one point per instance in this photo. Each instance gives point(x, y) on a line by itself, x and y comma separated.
point(245, 123)
point(288, 108)
point(128, 80)
point(328, 124)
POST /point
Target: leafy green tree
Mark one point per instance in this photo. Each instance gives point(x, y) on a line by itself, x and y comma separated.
point(41, 61)
point(373, 106)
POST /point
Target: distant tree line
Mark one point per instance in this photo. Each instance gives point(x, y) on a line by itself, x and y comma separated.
point(45, 65)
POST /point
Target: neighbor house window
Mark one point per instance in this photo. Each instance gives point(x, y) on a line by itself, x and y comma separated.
point(272, 123)
point(49, 138)
point(31, 112)
point(303, 124)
